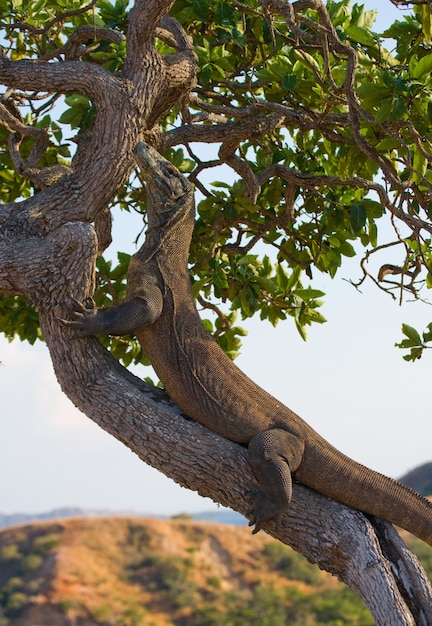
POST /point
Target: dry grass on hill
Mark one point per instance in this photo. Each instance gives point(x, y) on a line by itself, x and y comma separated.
point(137, 572)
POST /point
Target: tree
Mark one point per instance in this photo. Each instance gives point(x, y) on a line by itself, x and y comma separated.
point(327, 132)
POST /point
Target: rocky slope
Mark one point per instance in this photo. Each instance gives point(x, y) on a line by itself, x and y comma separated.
point(135, 572)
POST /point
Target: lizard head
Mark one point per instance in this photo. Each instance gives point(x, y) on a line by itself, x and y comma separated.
point(161, 176)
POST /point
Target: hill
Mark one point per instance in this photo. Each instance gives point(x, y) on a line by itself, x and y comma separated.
point(130, 572)
point(419, 479)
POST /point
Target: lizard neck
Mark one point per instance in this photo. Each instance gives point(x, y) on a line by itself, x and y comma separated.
point(170, 211)
point(169, 232)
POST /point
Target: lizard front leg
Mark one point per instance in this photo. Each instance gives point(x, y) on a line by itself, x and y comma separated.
point(124, 319)
point(273, 455)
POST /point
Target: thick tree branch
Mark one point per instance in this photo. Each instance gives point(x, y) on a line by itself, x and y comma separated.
point(329, 534)
point(96, 174)
point(125, 109)
point(70, 76)
point(143, 18)
point(334, 537)
point(48, 251)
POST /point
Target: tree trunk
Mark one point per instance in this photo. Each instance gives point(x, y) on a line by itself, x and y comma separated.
point(48, 249)
point(338, 539)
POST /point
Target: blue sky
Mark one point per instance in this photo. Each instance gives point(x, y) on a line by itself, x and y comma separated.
point(348, 381)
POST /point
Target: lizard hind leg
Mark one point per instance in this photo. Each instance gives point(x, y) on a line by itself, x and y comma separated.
point(273, 455)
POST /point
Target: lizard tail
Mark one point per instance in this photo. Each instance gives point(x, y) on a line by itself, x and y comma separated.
point(333, 474)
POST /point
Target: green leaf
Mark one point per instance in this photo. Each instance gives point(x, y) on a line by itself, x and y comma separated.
point(412, 335)
point(388, 144)
point(71, 117)
point(420, 68)
point(427, 22)
point(415, 353)
point(289, 82)
point(281, 277)
point(76, 100)
point(384, 111)
point(293, 279)
point(427, 335)
point(357, 217)
point(372, 94)
point(315, 317)
point(220, 280)
point(347, 249)
point(420, 164)
point(301, 328)
point(309, 293)
point(397, 109)
point(360, 35)
point(373, 233)
point(201, 10)
point(206, 73)
point(307, 60)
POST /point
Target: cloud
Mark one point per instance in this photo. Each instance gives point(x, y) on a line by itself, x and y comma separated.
point(29, 388)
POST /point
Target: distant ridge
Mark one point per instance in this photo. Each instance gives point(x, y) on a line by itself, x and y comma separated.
point(419, 479)
point(224, 516)
point(13, 519)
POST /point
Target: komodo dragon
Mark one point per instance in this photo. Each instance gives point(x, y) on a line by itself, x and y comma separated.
point(159, 309)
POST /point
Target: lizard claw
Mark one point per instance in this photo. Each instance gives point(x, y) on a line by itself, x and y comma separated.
point(264, 509)
point(80, 307)
point(81, 318)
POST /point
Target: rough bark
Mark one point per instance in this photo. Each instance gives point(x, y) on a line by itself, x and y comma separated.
point(338, 539)
point(48, 248)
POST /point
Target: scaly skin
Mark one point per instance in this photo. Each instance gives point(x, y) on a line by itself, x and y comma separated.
point(211, 389)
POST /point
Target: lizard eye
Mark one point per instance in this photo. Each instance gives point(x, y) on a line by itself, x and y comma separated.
point(171, 169)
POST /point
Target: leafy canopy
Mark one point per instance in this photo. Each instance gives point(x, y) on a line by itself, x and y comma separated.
point(328, 136)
